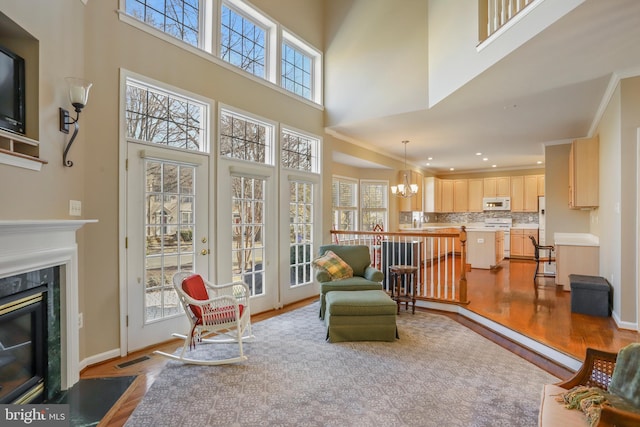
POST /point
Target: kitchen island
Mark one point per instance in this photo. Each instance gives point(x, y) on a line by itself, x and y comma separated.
point(576, 253)
point(485, 247)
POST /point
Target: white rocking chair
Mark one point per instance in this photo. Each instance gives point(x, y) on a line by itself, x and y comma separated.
point(220, 309)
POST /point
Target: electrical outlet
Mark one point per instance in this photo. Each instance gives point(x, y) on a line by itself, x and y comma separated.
point(80, 321)
point(75, 207)
point(480, 240)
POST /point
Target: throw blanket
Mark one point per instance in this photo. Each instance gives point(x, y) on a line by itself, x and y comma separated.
point(625, 381)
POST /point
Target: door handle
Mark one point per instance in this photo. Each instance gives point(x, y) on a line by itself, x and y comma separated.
point(204, 252)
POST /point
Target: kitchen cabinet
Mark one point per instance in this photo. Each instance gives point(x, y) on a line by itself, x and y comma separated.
point(475, 188)
point(432, 194)
point(413, 203)
point(517, 194)
point(521, 245)
point(540, 185)
point(497, 186)
point(531, 193)
point(460, 195)
point(447, 195)
point(503, 186)
point(524, 193)
point(583, 173)
point(576, 253)
point(484, 248)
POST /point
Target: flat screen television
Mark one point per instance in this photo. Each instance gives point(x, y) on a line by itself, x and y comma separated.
point(12, 95)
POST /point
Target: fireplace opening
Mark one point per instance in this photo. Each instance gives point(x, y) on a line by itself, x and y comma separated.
point(23, 338)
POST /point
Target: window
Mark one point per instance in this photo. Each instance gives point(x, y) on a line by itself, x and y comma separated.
point(300, 152)
point(161, 117)
point(242, 42)
point(296, 71)
point(345, 203)
point(179, 18)
point(373, 204)
point(244, 138)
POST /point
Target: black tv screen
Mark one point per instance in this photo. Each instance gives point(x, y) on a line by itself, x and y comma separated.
point(12, 101)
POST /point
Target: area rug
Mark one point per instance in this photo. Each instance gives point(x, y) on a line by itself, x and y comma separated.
point(438, 373)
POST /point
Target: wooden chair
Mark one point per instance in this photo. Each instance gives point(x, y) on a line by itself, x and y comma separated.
point(539, 258)
point(220, 309)
point(596, 371)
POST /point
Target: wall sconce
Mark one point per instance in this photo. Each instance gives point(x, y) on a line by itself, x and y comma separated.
point(78, 95)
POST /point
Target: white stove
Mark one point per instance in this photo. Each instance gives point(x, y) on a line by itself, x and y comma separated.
point(503, 224)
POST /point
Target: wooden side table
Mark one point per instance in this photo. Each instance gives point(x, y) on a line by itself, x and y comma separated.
point(404, 276)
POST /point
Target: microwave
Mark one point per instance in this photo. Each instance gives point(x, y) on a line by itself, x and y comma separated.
point(496, 204)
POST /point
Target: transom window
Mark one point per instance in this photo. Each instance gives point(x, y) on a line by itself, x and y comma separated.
point(296, 71)
point(300, 152)
point(161, 117)
point(179, 18)
point(244, 138)
point(242, 42)
point(373, 204)
point(344, 192)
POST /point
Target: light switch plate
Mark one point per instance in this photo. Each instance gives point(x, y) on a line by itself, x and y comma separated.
point(75, 207)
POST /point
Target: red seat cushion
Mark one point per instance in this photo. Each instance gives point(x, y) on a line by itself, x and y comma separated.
point(195, 288)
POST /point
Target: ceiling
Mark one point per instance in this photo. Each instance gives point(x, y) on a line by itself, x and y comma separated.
point(548, 91)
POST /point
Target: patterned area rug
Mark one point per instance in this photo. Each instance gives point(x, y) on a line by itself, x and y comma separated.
point(438, 373)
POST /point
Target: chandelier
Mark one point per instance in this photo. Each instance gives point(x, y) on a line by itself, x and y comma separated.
point(405, 188)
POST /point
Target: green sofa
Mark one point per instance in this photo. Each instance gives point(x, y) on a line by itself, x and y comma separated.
point(365, 277)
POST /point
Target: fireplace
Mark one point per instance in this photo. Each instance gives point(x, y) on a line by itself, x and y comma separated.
point(39, 337)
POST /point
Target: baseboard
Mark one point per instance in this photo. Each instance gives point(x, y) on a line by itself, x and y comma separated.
point(98, 358)
point(632, 326)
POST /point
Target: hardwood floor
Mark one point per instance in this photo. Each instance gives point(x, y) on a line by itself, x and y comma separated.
point(505, 295)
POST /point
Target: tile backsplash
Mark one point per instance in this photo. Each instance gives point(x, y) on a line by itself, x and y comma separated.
point(469, 217)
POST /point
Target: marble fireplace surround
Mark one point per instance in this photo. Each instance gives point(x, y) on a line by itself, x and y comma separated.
point(28, 245)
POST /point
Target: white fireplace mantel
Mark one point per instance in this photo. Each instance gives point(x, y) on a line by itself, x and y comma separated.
point(28, 245)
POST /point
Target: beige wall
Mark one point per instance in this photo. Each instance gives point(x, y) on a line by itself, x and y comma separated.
point(560, 219)
point(605, 221)
point(57, 30)
point(364, 35)
point(630, 122)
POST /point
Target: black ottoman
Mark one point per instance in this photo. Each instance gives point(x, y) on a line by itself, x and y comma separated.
point(590, 295)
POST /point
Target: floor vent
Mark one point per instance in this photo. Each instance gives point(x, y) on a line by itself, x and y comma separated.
point(132, 362)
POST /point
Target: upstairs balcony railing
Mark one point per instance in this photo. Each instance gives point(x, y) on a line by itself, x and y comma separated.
point(495, 14)
point(440, 257)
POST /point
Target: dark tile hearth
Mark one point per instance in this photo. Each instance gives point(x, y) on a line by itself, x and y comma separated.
point(90, 399)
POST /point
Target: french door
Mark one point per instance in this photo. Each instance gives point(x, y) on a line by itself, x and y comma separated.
point(167, 232)
point(246, 247)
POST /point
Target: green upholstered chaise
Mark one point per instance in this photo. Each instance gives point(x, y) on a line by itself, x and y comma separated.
point(365, 277)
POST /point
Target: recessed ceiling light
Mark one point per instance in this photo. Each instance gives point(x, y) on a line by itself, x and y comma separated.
point(452, 169)
point(494, 166)
point(429, 158)
point(484, 159)
point(539, 162)
point(478, 154)
point(428, 164)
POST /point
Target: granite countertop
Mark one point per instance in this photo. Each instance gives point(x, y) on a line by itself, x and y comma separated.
point(576, 239)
